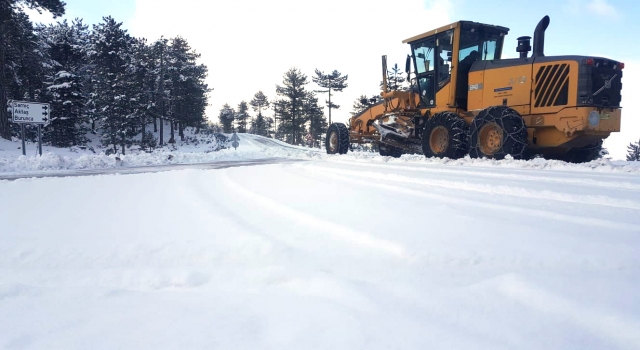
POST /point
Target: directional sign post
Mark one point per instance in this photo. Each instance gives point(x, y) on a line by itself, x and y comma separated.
point(234, 141)
point(24, 112)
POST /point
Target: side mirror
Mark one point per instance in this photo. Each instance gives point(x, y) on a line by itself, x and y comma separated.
point(407, 66)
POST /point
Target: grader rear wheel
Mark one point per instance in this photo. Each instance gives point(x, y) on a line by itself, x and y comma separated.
point(497, 132)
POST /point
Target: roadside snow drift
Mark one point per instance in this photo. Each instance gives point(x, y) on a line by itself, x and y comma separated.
point(344, 252)
point(253, 147)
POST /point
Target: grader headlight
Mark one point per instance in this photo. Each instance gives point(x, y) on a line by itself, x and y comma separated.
point(594, 119)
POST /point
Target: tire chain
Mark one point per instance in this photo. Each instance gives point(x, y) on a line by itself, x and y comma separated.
point(516, 133)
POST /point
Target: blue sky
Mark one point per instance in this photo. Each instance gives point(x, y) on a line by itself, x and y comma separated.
point(583, 27)
point(93, 11)
point(249, 44)
point(577, 26)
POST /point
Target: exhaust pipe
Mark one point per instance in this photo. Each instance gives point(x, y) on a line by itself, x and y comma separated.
point(538, 37)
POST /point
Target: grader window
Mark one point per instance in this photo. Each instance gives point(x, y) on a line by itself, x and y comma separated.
point(487, 46)
point(445, 52)
point(424, 54)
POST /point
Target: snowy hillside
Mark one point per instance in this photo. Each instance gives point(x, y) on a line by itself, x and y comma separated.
point(335, 252)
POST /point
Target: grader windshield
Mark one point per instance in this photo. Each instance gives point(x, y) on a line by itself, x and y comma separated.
point(435, 58)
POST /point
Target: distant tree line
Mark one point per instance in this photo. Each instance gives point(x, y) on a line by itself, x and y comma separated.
point(99, 80)
point(296, 118)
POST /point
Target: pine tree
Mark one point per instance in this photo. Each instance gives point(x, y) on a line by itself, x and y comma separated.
point(242, 116)
point(141, 82)
point(258, 103)
point(334, 81)
point(160, 95)
point(66, 46)
point(633, 152)
point(317, 121)
point(111, 55)
point(269, 127)
point(259, 126)
point(188, 93)
point(291, 106)
point(227, 116)
point(25, 58)
point(19, 53)
point(395, 80)
point(363, 102)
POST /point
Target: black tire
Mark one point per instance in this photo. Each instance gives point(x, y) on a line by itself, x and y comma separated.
point(583, 154)
point(389, 151)
point(455, 131)
point(341, 141)
point(510, 136)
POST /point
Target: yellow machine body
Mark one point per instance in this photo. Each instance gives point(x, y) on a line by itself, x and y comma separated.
point(566, 102)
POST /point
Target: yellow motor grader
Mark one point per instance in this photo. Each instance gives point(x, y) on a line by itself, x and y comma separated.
point(464, 99)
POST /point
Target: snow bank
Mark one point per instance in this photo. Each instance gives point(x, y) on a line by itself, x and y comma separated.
point(603, 165)
point(257, 147)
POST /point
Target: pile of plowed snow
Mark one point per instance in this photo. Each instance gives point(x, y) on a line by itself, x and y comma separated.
point(252, 147)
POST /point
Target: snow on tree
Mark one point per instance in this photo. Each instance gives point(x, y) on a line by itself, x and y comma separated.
point(66, 48)
point(111, 56)
point(188, 93)
point(20, 56)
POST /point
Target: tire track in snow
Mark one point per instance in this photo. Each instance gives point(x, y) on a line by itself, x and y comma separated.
point(622, 331)
point(207, 202)
point(336, 231)
point(580, 220)
point(509, 176)
point(487, 189)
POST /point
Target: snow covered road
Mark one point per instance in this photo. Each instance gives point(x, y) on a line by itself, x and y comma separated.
point(334, 253)
point(145, 169)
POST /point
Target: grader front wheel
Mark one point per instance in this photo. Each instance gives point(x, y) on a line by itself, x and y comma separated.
point(439, 139)
point(445, 135)
point(337, 140)
point(490, 138)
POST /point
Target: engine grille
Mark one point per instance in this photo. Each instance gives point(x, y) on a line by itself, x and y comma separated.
point(552, 85)
point(600, 84)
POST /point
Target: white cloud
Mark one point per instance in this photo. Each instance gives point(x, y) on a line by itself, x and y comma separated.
point(248, 45)
point(617, 143)
point(602, 8)
point(44, 17)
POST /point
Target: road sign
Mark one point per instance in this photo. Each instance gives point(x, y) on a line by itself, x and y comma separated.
point(30, 112)
point(234, 141)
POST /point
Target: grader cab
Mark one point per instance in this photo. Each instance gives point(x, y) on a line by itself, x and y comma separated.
point(465, 99)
